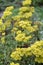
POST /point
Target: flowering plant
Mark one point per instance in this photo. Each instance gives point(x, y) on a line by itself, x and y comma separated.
point(18, 31)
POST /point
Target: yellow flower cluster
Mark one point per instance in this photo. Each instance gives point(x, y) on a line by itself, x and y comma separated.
point(7, 12)
point(36, 49)
point(26, 2)
point(27, 15)
point(20, 52)
point(2, 33)
point(27, 26)
point(12, 63)
point(26, 9)
point(3, 27)
point(25, 12)
point(21, 37)
point(4, 24)
point(7, 23)
point(22, 23)
point(2, 37)
point(20, 29)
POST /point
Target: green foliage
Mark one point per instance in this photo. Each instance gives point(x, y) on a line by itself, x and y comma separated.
point(5, 3)
point(38, 16)
point(37, 2)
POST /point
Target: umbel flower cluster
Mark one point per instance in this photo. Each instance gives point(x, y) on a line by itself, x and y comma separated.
point(36, 49)
point(17, 24)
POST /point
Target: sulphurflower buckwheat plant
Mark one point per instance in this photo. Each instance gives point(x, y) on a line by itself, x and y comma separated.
point(19, 40)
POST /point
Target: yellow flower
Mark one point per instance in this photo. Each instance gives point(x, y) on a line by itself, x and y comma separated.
point(17, 18)
point(39, 60)
point(3, 33)
point(27, 38)
point(30, 29)
point(0, 29)
point(14, 29)
point(35, 27)
point(27, 2)
point(18, 32)
point(28, 52)
point(9, 8)
point(12, 63)
point(7, 23)
point(32, 9)
point(27, 15)
point(20, 37)
point(37, 51)
point(23, 9)
point(3, 39)
point(1, 23)
point(15, 55)
point(3, 27)
point(5, 14)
